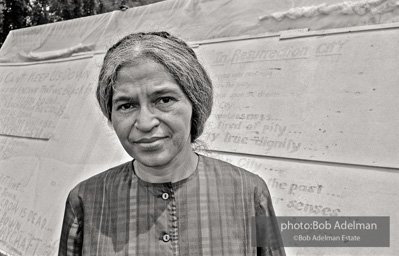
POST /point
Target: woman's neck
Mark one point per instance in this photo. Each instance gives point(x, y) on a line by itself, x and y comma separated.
point(177, 170)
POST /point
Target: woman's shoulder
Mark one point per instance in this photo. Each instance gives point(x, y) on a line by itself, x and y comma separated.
point(225, 169)
point(117, 174)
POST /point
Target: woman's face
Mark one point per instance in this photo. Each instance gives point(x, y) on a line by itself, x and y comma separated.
point(151, 115)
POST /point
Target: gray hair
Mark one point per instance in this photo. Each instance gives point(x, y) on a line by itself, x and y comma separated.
point(175, 56)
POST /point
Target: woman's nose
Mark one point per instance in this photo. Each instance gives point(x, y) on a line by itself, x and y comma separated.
point(146, 119)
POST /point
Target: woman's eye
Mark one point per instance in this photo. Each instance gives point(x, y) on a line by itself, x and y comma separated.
point(126, 106)
point(165, 100)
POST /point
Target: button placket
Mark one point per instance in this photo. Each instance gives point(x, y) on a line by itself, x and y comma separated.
point(174, 237)
point(167, 195)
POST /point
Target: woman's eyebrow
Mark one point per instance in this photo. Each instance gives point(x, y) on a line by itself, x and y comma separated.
point(123, 98)
point(163, 91)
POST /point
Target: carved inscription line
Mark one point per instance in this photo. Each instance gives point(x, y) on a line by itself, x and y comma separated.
point(7, 182)
point(260, 130)
point(253, 61)
point(273, 128)
point(243, 56)
point(240, 56)
point(15, 220)
point(289, 196)
point(58, 74)
point(244, 116)
point(33, 99)
point(261, 141)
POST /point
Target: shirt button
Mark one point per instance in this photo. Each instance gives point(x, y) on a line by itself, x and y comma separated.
point(166, 238)
point(165, 196)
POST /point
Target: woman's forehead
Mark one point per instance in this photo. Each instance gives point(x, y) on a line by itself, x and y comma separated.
point(144, 69)
point(146, 77)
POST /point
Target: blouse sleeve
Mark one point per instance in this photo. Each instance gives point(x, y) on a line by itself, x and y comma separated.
point(72, 228)
point(270, 242)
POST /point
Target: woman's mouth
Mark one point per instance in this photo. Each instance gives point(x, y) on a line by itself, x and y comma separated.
point(150, 143)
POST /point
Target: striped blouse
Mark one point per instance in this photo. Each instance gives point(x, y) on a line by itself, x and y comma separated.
point(208, 213)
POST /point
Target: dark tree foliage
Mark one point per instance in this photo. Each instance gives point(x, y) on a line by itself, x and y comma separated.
point(16, 14)
point(1, 20)
point(42, 13)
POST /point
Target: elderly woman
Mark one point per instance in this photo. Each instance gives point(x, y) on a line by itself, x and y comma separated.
point(168, 200)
